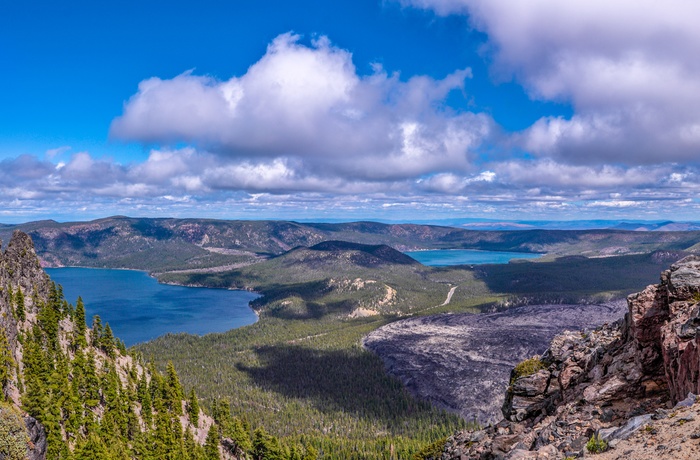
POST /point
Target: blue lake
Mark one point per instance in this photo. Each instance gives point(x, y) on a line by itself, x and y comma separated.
point(138, 308)
point(443, 257)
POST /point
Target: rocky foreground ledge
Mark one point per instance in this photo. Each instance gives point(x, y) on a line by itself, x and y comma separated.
point(430, 353)
point(625, 385)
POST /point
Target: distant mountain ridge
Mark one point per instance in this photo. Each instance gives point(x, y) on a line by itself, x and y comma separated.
point(164, 244)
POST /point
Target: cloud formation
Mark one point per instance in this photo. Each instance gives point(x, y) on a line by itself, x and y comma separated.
point(307, 106)
point(190, 182)
point(628, 67)
point(303, 134)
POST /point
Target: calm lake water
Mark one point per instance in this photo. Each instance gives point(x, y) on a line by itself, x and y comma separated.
point(138, 308)
point(442, 257)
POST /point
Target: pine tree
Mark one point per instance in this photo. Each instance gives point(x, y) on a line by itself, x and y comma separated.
point(193, 408)
point(96, 333)
point(92, 382)
point(311, 453)
point(121, 346)
point(192, 450)
point(19, 305)
point(107, 341)
point(222, 415)
point(144, 398)
point(266, 447)
point(142, 446)
point(164, 440)
point(237, 431)
point(173, 390)
point(51, 419)
point(36, 373)
point(7, 364)
point(75, 409)
point(211, 445)
point(113, 422)
point(81, 326)
point(91, 448)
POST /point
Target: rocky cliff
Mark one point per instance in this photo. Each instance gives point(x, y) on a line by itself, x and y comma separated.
point(607, 384)
point(20, 271)
point(71, 390)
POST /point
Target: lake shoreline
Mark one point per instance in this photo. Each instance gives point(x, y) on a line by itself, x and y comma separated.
point(140, 308)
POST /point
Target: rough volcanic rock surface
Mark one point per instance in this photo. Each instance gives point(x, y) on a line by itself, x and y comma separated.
point(672, 434)
point(462, 362)
point(37, 439)
point(615, 382)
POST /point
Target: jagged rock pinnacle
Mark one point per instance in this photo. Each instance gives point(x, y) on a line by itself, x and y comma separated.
point(20, 266)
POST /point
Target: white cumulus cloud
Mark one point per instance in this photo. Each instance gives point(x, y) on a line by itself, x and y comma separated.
point(628, 67)
point(308, 105)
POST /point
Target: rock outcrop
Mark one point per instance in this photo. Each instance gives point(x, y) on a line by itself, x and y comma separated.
point(37, 439)
point(20, 270)
point(610, 382)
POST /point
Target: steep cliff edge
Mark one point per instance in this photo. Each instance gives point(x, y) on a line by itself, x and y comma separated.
point(69, 391)
point(20, 272)
point(612, 382)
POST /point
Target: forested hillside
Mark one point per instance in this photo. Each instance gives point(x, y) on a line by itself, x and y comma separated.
point(73, 392)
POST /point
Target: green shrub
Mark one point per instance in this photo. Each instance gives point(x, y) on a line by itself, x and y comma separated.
point(13, 434)
point(527, 367)
point(595, 445)
point(432, 451)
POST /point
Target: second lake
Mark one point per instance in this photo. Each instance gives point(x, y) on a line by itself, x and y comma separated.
point(139, 309)
point(443, 257)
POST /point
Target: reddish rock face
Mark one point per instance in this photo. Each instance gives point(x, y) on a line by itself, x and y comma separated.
point(605, 379)
point(647, 312)
point(680, 333)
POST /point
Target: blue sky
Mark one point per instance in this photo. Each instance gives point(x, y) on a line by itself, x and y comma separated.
point(393, 110)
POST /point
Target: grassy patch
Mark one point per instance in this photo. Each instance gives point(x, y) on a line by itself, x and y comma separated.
point(527, 367)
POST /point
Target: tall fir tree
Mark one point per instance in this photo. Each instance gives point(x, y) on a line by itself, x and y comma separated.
point(19, 305)
point(211, 445)
point(266, 447)
point(193, 408)
point(173, 390)
point(107, 341)
point(7, 364)
point(80, 324)
point(96, 333)
point(91, 448)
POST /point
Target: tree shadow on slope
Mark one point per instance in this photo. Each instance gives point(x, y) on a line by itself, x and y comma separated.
point(625, 274)
point(301, 310)
point(300, 301)
point(349, 381)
